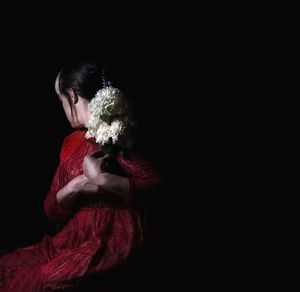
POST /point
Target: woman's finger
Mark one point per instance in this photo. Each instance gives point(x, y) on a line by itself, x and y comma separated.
point(97, 154)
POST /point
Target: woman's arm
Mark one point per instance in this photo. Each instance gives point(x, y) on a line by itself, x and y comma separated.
point(53, 210)
point(94, 168)
point(80, 185)
point(147, 183)
point(59, 204)
point(143, 180)
point(59, 200)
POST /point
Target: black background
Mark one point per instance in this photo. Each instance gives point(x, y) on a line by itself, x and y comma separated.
point(181, 76)
point(34, 125)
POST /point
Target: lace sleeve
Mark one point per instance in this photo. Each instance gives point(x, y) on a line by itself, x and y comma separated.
point(55, 212)
point(145, 181)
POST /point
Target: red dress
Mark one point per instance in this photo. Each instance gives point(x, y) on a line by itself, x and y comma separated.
point(94, 238)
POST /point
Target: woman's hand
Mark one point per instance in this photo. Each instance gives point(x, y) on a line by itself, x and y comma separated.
point(82, 185)
point(95, 167)
point(78, 186)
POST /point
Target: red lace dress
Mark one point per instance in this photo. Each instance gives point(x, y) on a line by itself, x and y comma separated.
point(94, 238)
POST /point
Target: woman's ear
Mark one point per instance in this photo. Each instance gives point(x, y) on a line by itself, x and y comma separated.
point(73, 96)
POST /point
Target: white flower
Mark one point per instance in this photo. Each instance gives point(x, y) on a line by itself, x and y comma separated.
point(109, 116)
point(106, 131)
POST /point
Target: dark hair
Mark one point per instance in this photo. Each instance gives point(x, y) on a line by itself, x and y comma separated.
point(85, 78)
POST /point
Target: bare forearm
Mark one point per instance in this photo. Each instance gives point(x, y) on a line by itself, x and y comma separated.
point(66, 196)
point(79, 186)
point(117, 185)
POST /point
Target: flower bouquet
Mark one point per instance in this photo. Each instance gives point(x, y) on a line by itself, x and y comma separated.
point(111, 124)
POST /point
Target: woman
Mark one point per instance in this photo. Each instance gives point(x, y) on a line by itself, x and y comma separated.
point(95, 196)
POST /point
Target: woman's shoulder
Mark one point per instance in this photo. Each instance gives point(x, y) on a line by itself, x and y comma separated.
point(72, 140)
point(75, 135)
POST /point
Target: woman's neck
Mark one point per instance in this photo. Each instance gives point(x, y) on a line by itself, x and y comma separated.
point(83, 110)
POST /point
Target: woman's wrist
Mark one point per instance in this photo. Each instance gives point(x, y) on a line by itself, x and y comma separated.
point(114, 184)
point(67, 196)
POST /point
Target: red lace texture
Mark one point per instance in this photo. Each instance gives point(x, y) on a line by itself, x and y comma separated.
point(93, 239)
